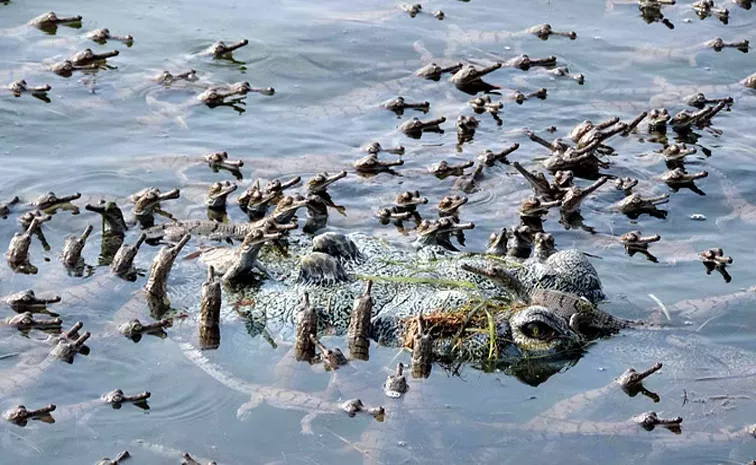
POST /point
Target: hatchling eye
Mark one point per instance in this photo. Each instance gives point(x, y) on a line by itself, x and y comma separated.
point(538, 330)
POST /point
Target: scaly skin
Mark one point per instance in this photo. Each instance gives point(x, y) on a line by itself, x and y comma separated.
point(211, 229)
point(567, 271)
point(393, 300)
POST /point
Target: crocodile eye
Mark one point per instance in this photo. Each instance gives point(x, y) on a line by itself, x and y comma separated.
point(539, 330)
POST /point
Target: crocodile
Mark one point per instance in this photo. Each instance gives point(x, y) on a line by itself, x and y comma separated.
point(103, 35)
point(115, 399)
point(171, 231)
point(26, 321)
point(20, 415)
point(219, 49)
point(72, 248)
point(48, 22)
point(18, 249)
point(27, 301)
point(20, 86)
point(116, 461)
point(231, 95)
point(328, 273)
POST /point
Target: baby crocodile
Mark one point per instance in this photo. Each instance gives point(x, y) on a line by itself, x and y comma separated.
point(172, 231)
point(73, 247)
point(103, 35)
point(27, 301)
point(49, 22)
point(116, 461)
point(49, 202)
point(21, 87)
point(220, 49)
point(26, 321)
point(18, 249)
point(20, 415)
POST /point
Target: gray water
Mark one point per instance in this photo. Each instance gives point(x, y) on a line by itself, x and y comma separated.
point(331, 63)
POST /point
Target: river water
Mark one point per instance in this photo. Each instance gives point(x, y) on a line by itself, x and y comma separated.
point(331, 63)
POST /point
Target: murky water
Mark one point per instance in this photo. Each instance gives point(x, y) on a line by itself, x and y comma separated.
point(331, 63)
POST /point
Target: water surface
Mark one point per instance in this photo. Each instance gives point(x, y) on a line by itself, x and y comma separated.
point(331, 63)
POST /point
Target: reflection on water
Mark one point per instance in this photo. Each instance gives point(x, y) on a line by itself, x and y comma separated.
point(109, 133)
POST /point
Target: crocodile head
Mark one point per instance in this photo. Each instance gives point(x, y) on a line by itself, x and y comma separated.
point(18, 249)
point(497, 242)
point(538, 331)
point(123, 261)
point(26, 300)
point(148, 200)
point(218, 193)
point(409, 201)
point(220, 48)
point(49, 22)
point(73, 247)
point(634, 205)
point(469, 74)
point(543, 246)
point(287, 208)
point(534, 206)
point(220, 160)
point(50, 200)
point(321, 181)
point(112, 217)
point(438, 232)
point(88, 57)
point(161, 267)
point(102, 35)
point(506, 278)
point(449, 205)
point(658, 118)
